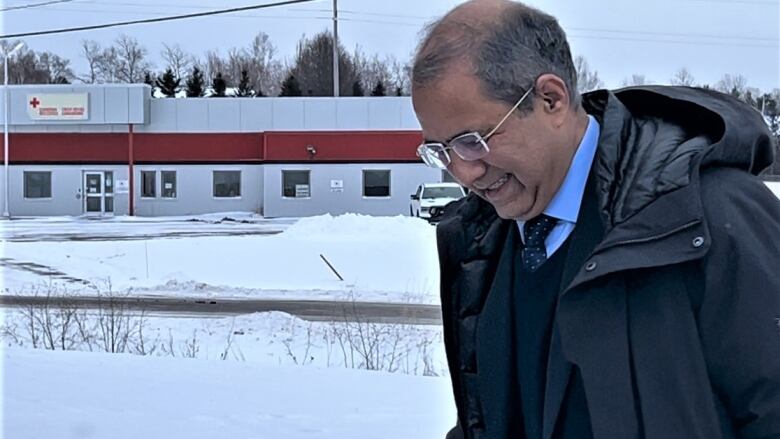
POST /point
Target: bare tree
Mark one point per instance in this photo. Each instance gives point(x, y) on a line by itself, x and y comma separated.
point(131, 60)
point(118, 63)
point(587, 80)
point(264, 72)
point(92, 52)
point(402, 75)
point(635, 79)
point(212, 64)
point(393, 74)
point(177, 60)
point(268, 72)
point(735, 85)
point(31, 67)
point(108, 65)
point(682, 77)
point(57, 69)
point(372, 71)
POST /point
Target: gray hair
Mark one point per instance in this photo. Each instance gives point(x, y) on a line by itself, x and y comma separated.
point(507, 56)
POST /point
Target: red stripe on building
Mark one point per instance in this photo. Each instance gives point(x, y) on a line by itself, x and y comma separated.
point(67, 147)
point(342, 146)
point(337, 146)
point(191, 147)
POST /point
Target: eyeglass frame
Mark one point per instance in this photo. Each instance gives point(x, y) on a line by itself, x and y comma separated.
point(424, 148)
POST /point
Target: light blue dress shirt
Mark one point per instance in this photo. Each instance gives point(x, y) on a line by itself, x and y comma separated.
point(565, 205)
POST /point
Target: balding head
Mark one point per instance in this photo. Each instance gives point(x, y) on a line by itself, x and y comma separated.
point(505, 44)
point(479, 10)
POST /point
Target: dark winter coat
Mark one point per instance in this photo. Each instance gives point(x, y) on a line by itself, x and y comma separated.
point(672, 312)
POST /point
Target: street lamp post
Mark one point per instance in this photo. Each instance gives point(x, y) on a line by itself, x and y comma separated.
point(6, 56)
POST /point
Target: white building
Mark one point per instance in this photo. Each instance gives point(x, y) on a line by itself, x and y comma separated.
point(112, 149)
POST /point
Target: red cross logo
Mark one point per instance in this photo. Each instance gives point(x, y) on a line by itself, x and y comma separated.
point(35, 102)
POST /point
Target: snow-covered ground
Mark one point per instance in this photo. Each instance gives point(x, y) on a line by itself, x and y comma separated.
point(269, 338)
point(88, 395)
point(380, 258)
point(127, 227)
point(261, 375)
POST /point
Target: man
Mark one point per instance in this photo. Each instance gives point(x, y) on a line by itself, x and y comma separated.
point(615, 272)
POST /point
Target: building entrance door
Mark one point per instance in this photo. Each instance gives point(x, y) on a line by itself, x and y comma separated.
point(98, 192)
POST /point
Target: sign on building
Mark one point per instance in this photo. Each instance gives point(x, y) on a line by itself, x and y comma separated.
point(302, 191)
point(337, 185)
point(122, 187)
point(59, 106)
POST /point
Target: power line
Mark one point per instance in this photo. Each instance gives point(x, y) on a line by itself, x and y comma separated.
point(187, 6)
point(619, 31)
point(685, 36)
point(400, 23)
point(618, 38)
point(656, 40)
point(379, 14)
point(672, 34)
point(744, 2)
point(35, 5)
point(417, 17)
point(148, 12)
point(153, 20)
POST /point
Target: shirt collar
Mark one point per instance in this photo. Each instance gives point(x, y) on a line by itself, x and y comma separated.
point(565, 205)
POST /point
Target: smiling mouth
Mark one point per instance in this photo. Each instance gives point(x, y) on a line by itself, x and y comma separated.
point(500, 182)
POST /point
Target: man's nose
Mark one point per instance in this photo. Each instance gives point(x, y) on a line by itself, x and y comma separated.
point(466, 171)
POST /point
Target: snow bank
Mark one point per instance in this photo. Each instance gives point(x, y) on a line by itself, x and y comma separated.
point(92, 395)
point(351, 225)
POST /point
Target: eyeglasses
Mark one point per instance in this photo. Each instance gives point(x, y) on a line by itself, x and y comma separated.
point(469, 146)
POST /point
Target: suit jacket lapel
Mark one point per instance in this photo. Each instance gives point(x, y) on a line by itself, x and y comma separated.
point(586, 235)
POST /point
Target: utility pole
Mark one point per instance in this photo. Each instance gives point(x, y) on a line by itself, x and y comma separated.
point(335, 48)
point(7, 56)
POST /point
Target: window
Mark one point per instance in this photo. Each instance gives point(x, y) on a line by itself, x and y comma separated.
point(108, 185)
point(227, 184)
point(434, 192)
point(376, 183)
point(168, 188)
point(37, 185)
point(148, 184)
point(295, 184)
point(108, 191)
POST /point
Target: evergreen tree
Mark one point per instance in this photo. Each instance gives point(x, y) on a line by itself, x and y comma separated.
point(244, 89)
point(379, 90)
point(149, 80)
point(357, 89)
point(398, 91)
point(195, 84)
point(168, 84)
point(218, 86)
point(290, 87)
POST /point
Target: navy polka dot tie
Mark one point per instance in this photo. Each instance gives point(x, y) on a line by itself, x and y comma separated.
point(535, 231)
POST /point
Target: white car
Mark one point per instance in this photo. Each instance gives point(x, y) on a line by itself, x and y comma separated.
point(430, 198)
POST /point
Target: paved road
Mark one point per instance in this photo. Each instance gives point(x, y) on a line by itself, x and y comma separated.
point(313, 310)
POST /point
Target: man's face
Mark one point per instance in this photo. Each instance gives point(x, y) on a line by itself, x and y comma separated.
point(527, 160)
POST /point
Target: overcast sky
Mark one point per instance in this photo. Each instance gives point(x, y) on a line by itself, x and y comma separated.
point(618, 37)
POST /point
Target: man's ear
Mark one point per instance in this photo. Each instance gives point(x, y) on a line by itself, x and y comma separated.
point(553, 95)
point(553, 92)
